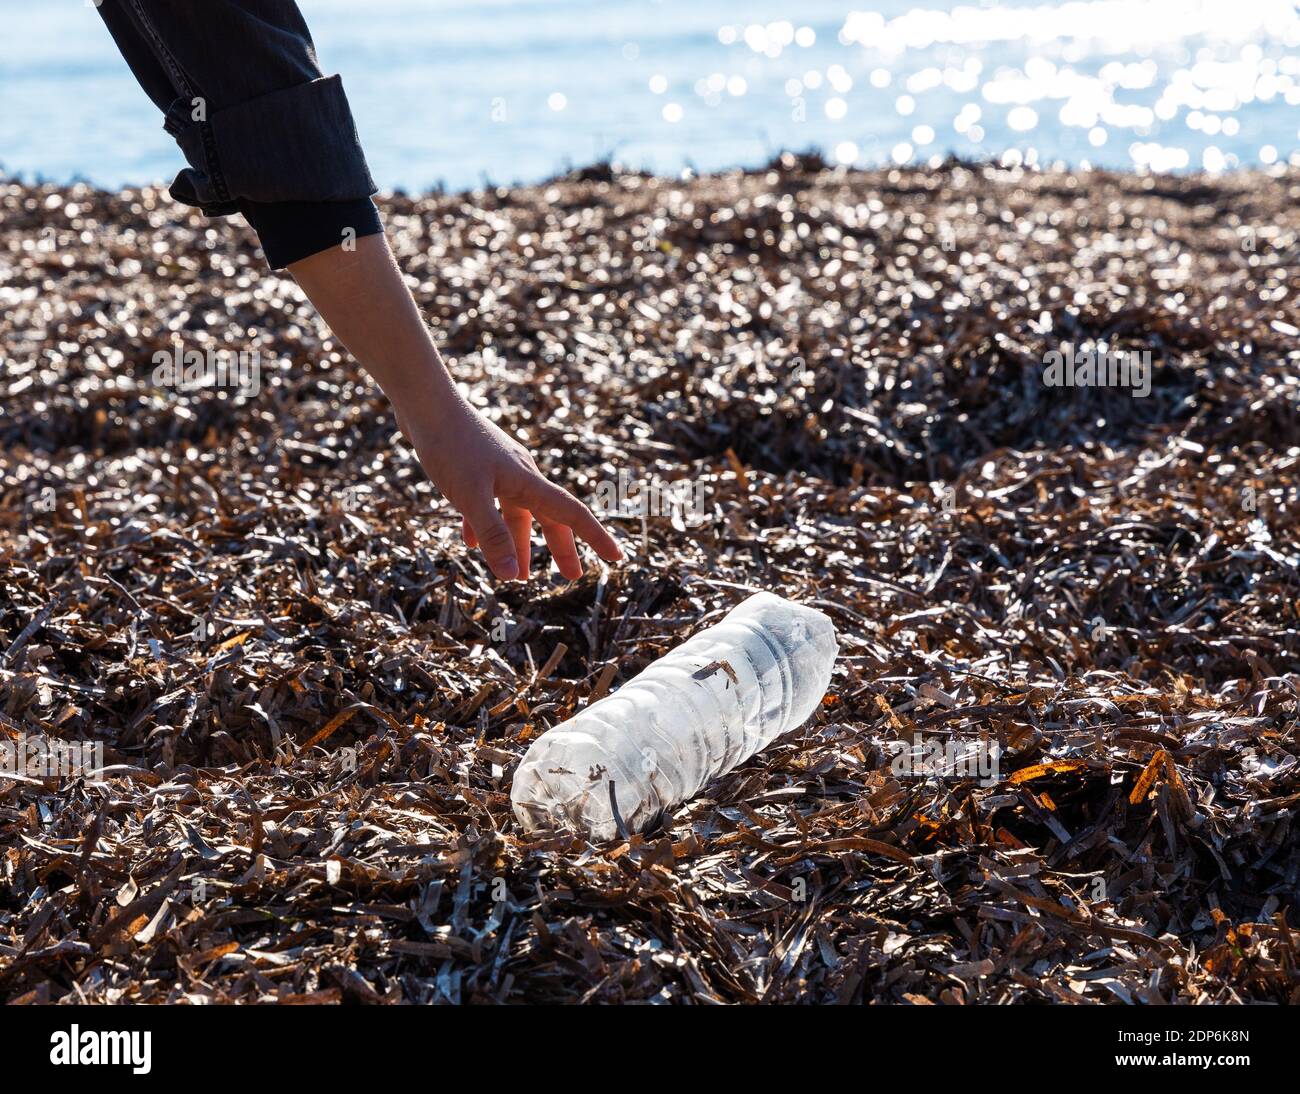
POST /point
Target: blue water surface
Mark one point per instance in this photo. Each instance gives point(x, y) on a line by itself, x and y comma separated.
point(516, 90)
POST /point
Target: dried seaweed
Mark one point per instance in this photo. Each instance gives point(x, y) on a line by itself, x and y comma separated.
point(311, 697)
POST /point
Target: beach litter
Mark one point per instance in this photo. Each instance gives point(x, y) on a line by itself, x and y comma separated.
point(724, 694)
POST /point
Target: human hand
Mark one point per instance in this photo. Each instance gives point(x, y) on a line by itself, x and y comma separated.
point(476, 465)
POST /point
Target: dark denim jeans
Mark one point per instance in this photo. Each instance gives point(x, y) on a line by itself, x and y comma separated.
point(263, 131)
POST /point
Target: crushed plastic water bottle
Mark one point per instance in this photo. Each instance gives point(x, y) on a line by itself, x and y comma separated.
point(694, 714)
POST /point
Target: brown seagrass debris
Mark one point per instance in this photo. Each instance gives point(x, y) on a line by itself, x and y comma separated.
point(310, 697)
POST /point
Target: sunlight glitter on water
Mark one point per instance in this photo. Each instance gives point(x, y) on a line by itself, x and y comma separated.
point(516, 90)
point(1136, 76)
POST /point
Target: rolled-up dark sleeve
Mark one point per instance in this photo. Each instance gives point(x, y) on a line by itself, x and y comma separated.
point(263, 131)
point(290, 230)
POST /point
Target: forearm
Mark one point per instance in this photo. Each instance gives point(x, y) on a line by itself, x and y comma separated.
point(360, 293)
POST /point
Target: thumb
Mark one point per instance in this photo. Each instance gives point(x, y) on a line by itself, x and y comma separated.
point(494, 538)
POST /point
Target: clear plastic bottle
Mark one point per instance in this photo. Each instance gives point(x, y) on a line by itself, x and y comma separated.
point(694, 714)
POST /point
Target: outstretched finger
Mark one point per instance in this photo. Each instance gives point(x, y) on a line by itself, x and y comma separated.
point(551, 503)
point(565, 552)
point(520, 523)
point(494, 538)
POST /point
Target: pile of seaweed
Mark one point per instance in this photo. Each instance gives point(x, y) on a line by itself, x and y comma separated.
point(309, 696)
